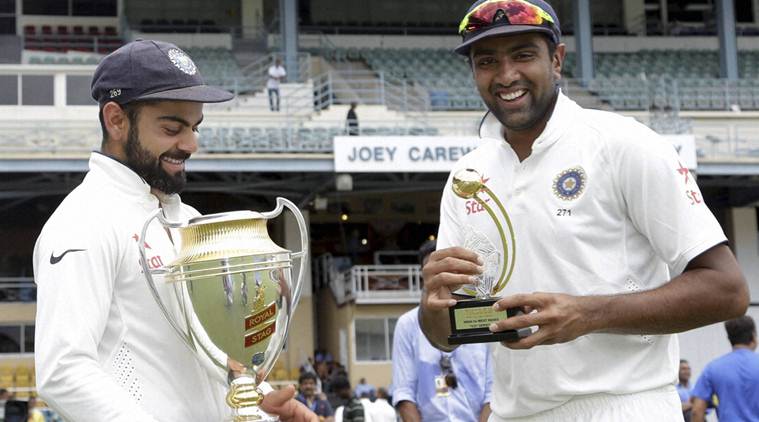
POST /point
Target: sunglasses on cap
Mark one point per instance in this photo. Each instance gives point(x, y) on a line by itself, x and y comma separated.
point(509, 12)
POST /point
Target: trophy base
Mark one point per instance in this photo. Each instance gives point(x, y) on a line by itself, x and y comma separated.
point(471, 319)
point(244, 398)
point(250, 415)
point(510, 335)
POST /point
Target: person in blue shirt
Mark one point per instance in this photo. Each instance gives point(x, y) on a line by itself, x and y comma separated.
point(732, 380)
point(307, 395)
point(431, 385)
point(365, 390)
point(684, 388)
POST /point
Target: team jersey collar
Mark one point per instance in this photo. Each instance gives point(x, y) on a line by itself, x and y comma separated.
point(556, 126)
point(125, 179)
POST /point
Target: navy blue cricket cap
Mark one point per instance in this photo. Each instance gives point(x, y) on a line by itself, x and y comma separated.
point(492, 18)
point(151, 70)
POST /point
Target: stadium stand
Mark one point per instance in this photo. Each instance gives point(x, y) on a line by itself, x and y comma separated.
point(641, 80)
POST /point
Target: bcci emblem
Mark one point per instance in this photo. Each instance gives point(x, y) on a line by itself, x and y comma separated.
point(182, 61)
point(569, 184)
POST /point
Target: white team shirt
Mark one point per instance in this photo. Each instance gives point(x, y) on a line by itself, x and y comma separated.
point(103, 349)
point(601, 206)
point(276, 73)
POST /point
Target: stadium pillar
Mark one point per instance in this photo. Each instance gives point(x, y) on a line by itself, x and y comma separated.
point(728, 49)
point(288, 25)
point(252, 14)
point(583, 40)
point(635, 17)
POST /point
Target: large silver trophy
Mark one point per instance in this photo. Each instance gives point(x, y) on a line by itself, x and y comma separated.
point(235, 293)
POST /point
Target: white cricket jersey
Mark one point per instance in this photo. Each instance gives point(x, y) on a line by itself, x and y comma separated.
point(602, 206)
point(103, 349)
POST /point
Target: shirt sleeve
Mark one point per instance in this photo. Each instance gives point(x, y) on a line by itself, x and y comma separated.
point(404, 360)
point(74, 299)
point(449, 232)
point(663, 200)
point(704, 388)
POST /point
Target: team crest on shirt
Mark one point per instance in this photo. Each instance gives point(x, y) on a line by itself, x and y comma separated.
point(570, 183)
point(182, 61)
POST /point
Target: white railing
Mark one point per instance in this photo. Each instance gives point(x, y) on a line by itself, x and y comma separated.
point(378, 284)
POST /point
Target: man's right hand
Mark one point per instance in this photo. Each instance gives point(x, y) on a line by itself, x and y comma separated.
point(445, 272)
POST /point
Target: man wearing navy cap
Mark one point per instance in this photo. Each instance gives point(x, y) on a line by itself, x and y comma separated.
point(103, 350)
point(613, 249)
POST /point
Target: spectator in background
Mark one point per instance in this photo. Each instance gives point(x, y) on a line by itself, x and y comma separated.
point(430, 385)
point(277, 74)
point(352, 408)
point(35, 415)
point(351, 120)
point(365, 390)
point(684, 388)
point(731, 381)
point(381, 410)
point(308, 396)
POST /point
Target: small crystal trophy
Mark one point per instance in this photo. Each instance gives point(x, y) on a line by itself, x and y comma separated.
point(471, 318)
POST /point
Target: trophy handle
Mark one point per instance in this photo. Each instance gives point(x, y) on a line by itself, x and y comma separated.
point(158, 214)
point(303, 253)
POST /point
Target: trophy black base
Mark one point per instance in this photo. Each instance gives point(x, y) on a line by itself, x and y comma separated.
point(471, 319)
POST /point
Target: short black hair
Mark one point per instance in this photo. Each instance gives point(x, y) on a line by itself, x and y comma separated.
point(740, 330)
point(306, 376)
point(427, 248)
point(132, 111)
point(340, 383)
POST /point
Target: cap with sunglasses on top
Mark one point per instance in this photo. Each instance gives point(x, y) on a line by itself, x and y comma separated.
point(489, 18)
point(151, 70)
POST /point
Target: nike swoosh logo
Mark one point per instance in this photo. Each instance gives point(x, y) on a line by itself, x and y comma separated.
point(56, 259)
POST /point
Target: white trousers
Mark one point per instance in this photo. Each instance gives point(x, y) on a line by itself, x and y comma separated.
point(659, 405)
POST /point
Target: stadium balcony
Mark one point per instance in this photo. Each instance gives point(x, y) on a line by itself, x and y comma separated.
point(96, 39)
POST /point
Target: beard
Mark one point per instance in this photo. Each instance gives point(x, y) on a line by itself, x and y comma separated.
point(538, 111)
point(147, 166)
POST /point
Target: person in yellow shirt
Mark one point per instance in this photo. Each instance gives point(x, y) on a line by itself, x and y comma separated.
point(35, 415)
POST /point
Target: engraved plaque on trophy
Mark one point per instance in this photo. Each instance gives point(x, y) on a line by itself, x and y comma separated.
point(471, 318)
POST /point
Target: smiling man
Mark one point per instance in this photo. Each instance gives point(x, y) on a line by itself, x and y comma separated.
point(613, 248)
point(103, 350)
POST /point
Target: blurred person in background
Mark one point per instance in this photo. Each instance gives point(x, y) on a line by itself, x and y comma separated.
point(684, 388)
point(381, 410)
point(351, 120)
point(35, 414)
point(311, 398)
point(276, 74)
point(731, 382)
point(430, 385)
point(351, 410)
point(363, 389)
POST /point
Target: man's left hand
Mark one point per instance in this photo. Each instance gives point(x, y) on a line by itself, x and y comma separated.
point(559, 317)
point(283, 404)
